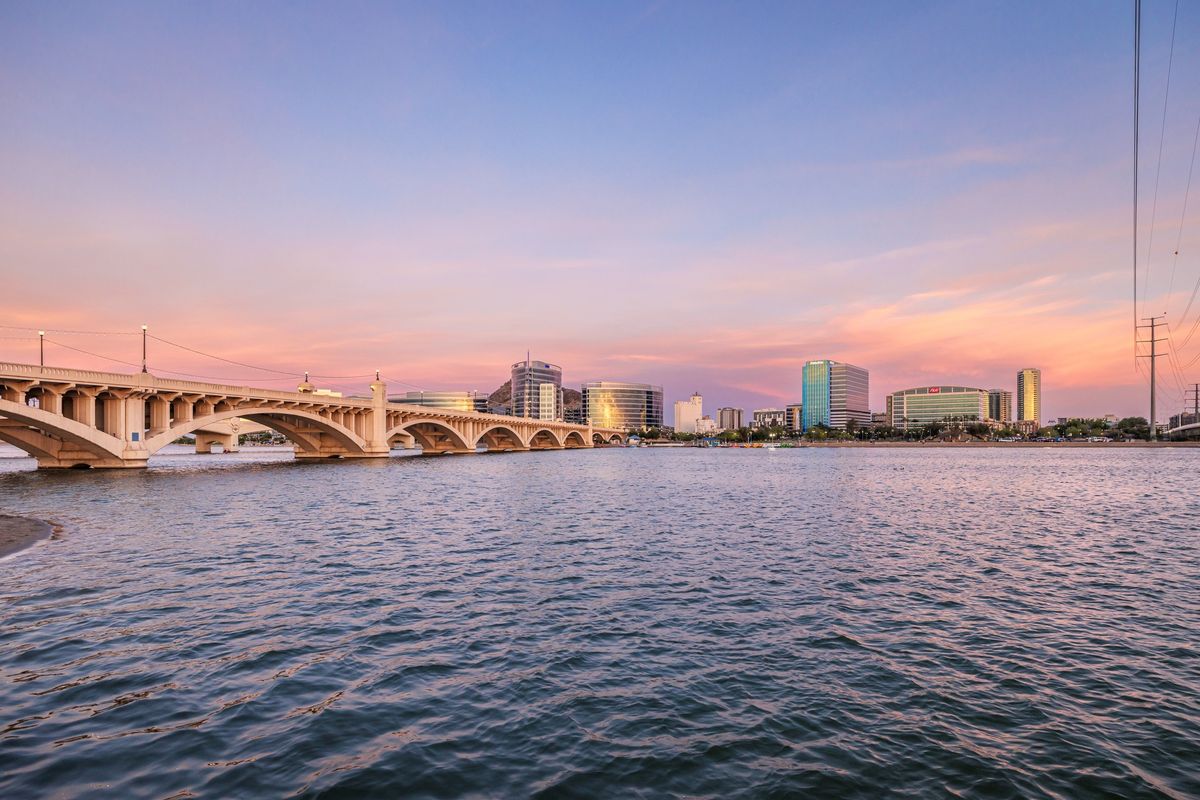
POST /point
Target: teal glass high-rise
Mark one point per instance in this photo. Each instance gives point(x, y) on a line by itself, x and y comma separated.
point(833, 394)
point(814, 394)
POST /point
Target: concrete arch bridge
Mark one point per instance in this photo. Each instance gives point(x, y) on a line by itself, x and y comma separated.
point(68, 418)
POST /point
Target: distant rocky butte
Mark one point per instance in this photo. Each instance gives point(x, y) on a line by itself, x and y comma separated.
point(572, 398)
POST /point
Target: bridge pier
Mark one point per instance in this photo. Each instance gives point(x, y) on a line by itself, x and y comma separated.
point(205, 441)
point(82, 459)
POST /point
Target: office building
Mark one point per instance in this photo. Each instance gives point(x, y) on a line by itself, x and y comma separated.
point(833, 394)
point(459, 401)
point(1000, 406)
point(687, 413)
point(1029, 395)
point(628, 406)
point(794, 417)
point(729, 419)
point(768, 418)
point(706, 426)
point(537, 390)
point(915, 408)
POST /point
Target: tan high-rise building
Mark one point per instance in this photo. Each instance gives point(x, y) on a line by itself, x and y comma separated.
point(729, 419)
point(1000, 406)
point(1029, 395)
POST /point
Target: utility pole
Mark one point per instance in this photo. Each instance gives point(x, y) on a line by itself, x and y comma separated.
point(1195, 402)
point(1154, 356)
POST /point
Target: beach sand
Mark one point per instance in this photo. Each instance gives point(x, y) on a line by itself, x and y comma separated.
point(17, 533)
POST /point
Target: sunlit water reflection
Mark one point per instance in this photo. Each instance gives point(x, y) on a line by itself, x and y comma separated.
point(609, 623)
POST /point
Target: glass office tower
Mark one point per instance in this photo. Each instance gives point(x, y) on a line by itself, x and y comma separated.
point(833, 393)
point(629, 406)
point(529, 399)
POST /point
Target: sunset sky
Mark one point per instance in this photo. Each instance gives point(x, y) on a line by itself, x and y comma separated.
point(698, 195)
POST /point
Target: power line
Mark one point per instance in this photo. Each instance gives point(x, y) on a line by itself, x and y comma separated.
point(390, 379)
point(157, 370)
point(74, 333)
point(1179, 237)
point(1154, 356)
point(286, 375)
point(1176, 372)
point(94, 355)
point(292, 374)
point(1137, 104)
point(219, 358)
point(1158, 169)
point(1195, 324)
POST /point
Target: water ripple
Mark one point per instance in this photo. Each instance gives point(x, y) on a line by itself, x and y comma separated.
point(576, 624)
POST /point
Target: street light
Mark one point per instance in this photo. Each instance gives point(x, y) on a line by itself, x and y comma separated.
point(143, 348)
point(41, 348)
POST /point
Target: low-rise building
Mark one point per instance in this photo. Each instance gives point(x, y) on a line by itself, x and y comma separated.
point(923, 405)
point(1026, 427)
point(459, 401)
point(768, 418)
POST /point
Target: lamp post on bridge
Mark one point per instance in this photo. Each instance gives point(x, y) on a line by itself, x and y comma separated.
point(144, 349)
point(41, 348)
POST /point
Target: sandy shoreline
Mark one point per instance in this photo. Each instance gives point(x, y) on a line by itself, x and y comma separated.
point(17, 533)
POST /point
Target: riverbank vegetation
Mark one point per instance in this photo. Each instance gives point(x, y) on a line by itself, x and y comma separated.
point(949, 430)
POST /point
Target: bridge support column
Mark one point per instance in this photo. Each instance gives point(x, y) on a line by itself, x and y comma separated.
point(51, 399)
point(160, 415)
point(371, 425)
point(205, 442)
point(135, 428)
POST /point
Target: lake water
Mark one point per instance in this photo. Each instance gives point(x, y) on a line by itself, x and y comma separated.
point(611, 623)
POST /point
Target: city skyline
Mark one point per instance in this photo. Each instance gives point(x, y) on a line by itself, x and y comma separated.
point(396, 190)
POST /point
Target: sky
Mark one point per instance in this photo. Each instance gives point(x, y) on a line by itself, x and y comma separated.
point(697, 195)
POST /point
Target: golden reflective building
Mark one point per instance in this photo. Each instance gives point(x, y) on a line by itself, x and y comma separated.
point(627, 406)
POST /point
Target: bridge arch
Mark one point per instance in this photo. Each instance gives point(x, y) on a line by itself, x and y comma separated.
point(544, 439)
point(574, 439)
point(433, 436)
point(286, 421)
point(56, 440)
point(499, 438)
